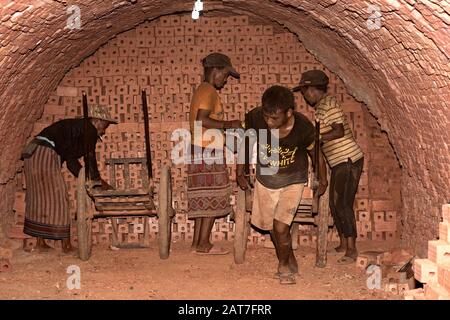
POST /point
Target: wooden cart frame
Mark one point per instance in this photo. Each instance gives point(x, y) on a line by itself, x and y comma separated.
point(304, 215)
point(138, 202)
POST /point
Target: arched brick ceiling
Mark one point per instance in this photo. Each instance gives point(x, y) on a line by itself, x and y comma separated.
point(401, 71)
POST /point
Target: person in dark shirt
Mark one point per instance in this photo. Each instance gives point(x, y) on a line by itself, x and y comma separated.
point(46, 203)
point(284, 138)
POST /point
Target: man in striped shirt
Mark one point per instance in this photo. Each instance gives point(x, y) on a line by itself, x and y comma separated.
point(343, 155)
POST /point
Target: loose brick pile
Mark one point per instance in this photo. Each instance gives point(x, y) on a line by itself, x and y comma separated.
point(400, 70)
point(434, 272)
point(163, 57)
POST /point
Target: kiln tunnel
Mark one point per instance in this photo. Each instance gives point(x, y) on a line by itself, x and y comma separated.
point(388, 62)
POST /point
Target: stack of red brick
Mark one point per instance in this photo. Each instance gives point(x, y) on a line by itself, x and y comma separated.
point(376, 219)
point(434, 272)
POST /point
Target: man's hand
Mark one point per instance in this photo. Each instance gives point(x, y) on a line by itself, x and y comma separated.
point(322, 187)
point(243, 182)
point(105, 185)
point(233, 124)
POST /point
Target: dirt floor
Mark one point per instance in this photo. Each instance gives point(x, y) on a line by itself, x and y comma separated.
point(140, 274)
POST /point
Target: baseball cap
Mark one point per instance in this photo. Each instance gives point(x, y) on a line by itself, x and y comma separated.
point(100, 112)
point(312, 78)
point(220, 60)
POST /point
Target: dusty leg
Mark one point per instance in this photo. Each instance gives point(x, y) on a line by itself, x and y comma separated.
point(197, 229)
point(41, 246)
point(67, 246)
point(204, 245)
point(287, 263)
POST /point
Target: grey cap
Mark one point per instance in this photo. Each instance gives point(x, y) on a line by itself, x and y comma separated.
point(312, 78)
point(217, 59)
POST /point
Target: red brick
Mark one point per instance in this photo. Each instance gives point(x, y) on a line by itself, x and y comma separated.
point(363, 216)
point(446, 212)
point(439, 251)
point(382, 205)
point(444, 231)
point(436, 292)
point(443, 276)
point(425, 271)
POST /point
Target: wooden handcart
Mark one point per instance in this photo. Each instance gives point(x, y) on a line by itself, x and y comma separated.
point(304, 215)
point(126, 202)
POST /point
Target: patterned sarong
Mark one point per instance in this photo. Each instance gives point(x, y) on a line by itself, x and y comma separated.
point(47, 208)
point(209, 188)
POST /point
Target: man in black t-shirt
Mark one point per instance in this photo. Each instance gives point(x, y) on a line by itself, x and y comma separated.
point(284, 138)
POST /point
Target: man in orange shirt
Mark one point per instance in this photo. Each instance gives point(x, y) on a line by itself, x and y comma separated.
point(209, 188)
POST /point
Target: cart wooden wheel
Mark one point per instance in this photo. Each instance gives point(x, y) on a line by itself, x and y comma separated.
point(84, 220)
point(165, 212)
point(241, 227)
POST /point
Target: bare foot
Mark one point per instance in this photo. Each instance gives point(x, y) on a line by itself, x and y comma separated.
point(204, 248)
point(213, 251)
point(287, 278)
point(352, 253)
point(41, 246)
point(67, 246)
point(349, 257)
point(293, 265)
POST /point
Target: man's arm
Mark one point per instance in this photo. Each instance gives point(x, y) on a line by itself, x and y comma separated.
point(335, 133)
point(95, 174)
point(74, 166)
point(244, 162)
point(93, 167)
point(333, 116)
point(209, 123)
point(323, 183)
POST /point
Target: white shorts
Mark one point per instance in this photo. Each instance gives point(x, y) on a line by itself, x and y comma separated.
point(275, 204)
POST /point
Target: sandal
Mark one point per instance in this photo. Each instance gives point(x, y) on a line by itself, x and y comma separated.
point(333, 251)
point(287, 278)
point(214, 251)
point(276, 275)
point(346, 260)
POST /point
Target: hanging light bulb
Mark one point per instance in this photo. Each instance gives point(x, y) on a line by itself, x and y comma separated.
point(198, 5)
point(195, 14)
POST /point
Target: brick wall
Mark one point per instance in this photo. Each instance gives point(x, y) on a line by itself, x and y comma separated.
point(400, 70)
point(163, 57)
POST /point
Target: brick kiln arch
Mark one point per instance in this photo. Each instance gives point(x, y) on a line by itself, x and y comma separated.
point(401, 71)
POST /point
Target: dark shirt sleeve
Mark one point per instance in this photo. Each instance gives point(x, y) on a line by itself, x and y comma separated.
point(74, 166)
point(309, 133)
point(92, 142)
point(68, 136)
